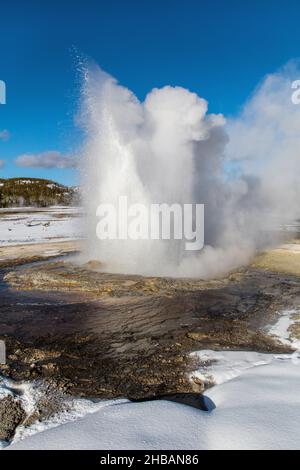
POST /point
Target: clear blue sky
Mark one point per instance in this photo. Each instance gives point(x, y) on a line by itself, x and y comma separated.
point(220, 49)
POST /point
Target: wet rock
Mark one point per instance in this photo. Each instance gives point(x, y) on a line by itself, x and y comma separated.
point(11, 415)
point(197, 336)
point(96, 334)
point(93, 265)
point(46, 407)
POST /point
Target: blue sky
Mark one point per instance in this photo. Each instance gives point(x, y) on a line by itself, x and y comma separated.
point(220, 49)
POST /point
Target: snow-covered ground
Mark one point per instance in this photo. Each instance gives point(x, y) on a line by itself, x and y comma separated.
point(282, 329)
point(257, 396)
point(257, 407)
point(29, 393)
point(29, 225)
point(223, 366)
point(258, 410)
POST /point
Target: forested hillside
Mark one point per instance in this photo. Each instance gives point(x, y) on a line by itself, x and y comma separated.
point(37, 192)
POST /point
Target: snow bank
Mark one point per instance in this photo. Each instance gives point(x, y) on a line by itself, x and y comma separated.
point(258, 410)
point(30, 393)
point(220, 366)
point(257, 398)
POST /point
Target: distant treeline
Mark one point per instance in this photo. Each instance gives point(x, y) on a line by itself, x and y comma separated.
point(37, 192)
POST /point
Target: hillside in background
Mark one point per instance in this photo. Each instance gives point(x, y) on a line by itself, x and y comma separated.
point(37, 192)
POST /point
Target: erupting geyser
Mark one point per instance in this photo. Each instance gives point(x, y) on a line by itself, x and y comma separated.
point(167, 149)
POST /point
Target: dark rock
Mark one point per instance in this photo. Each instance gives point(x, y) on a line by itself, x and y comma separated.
point(196, 400)
point(11, 415)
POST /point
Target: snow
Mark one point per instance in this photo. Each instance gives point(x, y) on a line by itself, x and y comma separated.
point(36, 226)
point(223, 366)
point(257, 407)
point(282, 328)
point(76, 408)
point(258, 410)
point(29, 394)
point(257, 403)
point(257, 396)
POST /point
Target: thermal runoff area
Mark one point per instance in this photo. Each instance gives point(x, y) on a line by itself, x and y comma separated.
point(169, 150)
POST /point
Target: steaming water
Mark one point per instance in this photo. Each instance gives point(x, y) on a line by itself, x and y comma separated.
point(168, 149)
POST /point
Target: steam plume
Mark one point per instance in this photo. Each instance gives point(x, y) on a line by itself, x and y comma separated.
point(169, 149)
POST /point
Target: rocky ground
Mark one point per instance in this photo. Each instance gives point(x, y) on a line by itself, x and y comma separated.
point(18, 255)
point(11, 415)
point(91, 334)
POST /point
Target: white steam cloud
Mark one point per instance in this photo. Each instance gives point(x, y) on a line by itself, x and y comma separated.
point(169, 149)
point(4, 135)
point(50, 159)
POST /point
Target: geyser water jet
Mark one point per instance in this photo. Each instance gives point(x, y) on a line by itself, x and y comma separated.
point(168, 149)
